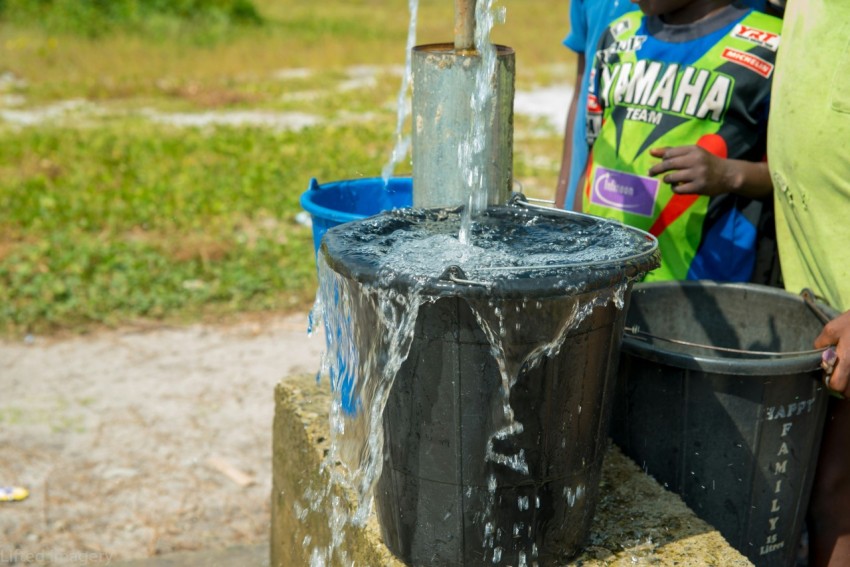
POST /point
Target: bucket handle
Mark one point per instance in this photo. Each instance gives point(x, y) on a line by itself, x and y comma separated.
point(456, 275)
point(810, 298)
point(635, 331)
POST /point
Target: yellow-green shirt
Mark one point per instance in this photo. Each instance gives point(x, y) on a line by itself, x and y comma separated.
point(809, 148)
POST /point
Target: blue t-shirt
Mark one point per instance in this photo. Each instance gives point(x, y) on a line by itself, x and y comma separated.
point(588, 19)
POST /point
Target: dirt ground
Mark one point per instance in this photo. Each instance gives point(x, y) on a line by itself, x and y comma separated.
point(142, 441)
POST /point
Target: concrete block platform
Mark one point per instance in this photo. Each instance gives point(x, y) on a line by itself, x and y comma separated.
point(637, 521)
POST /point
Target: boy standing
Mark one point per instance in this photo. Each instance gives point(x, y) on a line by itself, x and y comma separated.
point(686, 82)
point(588, 19)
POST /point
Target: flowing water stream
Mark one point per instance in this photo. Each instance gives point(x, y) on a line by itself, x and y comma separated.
point(402, 141)
point(473, 144)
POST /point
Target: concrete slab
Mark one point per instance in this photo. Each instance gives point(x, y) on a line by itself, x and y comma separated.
point(637, 521)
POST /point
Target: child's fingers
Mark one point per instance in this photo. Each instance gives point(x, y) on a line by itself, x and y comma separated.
point(681, 181)
point(669, 163)
point(839, 379)
point(686, 187)
point(677, 178)
point(672, 151)
point(678, 157)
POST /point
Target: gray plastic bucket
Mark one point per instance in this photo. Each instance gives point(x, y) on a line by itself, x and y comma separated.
point(736, 430)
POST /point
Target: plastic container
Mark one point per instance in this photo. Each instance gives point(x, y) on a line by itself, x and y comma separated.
point(344, 201)
point(339, 202)
point(735, 431)
point(440, 500)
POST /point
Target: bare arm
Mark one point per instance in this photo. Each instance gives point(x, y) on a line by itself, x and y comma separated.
point(578, 200)
point(692, 169)
point(564, 175)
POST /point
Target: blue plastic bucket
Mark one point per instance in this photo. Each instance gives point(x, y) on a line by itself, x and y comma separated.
point(344, 201)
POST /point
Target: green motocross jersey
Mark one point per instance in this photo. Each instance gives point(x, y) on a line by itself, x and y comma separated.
point(655, 85)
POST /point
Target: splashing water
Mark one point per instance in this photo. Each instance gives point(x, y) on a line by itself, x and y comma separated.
point(402, 142)
point(483, 109)
point(507, 245)
point(516, 355)
point(360, 363)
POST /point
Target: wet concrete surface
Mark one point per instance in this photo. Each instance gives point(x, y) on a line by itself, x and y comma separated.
point(637, 521)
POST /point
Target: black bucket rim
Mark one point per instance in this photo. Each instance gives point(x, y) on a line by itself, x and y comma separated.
point(452, 283)
point(784, 364)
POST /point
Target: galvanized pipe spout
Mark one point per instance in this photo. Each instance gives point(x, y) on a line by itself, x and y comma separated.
point(446, 77)
point(444, 82)
point(464, 25)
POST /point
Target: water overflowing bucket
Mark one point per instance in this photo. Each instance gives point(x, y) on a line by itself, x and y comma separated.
point(344, 201)
point(339, 202)
point(494, 426)
point(720, 399)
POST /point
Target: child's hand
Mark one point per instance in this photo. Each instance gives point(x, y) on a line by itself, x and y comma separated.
point(837, 333)
point(693, 170)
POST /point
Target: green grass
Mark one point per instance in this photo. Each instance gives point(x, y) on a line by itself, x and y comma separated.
point(200, 19)
point(111, 219)
point(118, 223)
point(331, 35)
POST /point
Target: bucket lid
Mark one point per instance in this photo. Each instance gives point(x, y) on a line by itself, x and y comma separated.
point(517, 250)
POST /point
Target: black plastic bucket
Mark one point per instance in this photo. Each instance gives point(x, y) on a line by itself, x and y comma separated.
point(720, 399)
point(439, 500)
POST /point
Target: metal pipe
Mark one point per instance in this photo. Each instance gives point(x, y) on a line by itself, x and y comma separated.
point(443, 82)
point(464, 25)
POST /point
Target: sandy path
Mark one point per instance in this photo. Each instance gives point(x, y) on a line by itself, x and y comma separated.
point(113, 435)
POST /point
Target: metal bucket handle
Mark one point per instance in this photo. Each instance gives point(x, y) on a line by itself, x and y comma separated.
point(808, 296)
point(811, 300)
